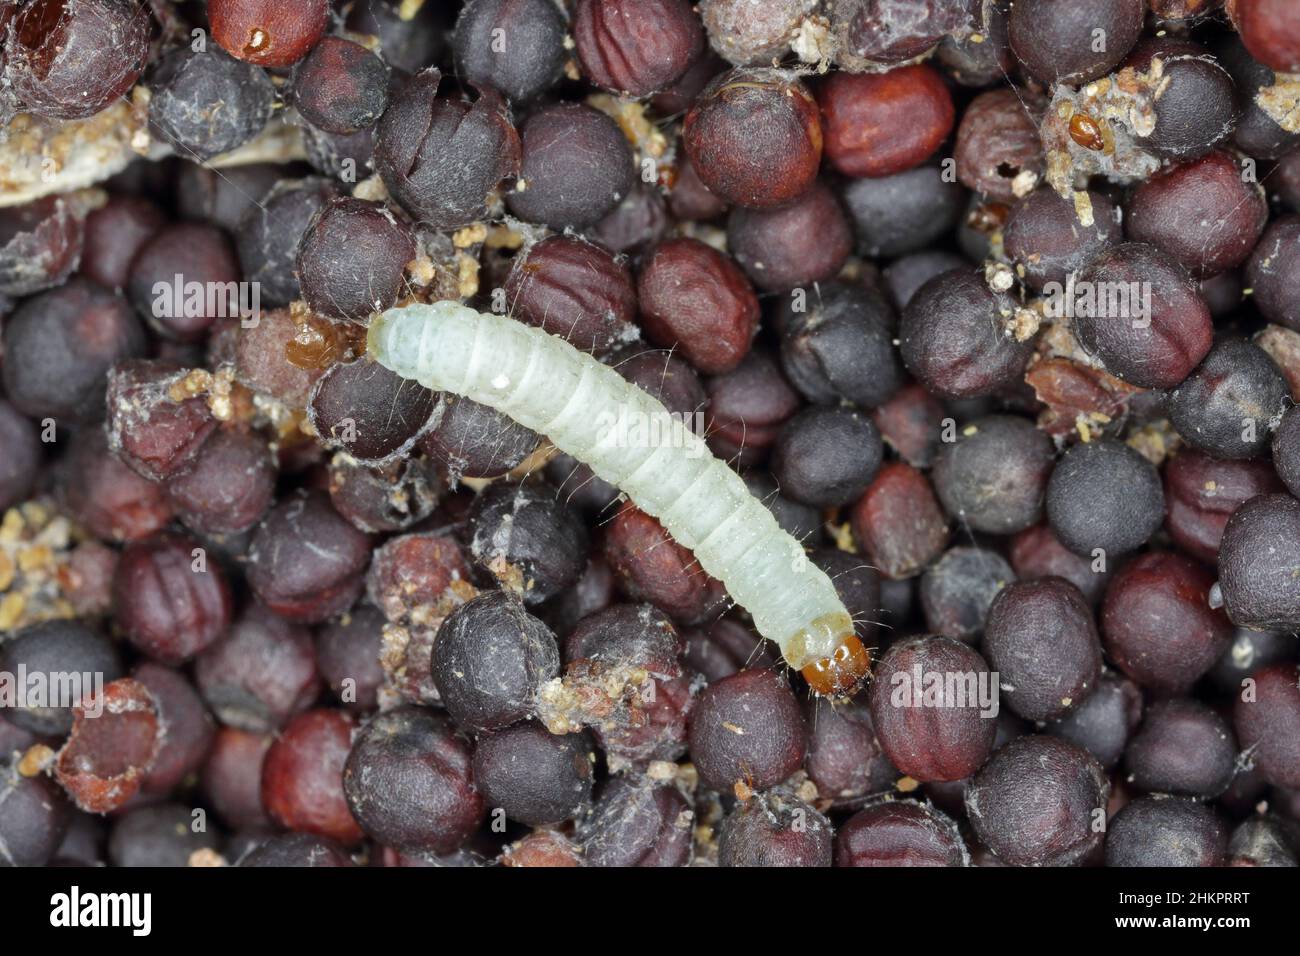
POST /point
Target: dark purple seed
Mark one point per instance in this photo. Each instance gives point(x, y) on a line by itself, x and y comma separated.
point(724, 647)
point(840, 346)
point(1103, 723)
point(59, 346)
point(373, 414)
point(528, 539)
point(45, 652)
point(1231, 402)
point(576, 167)
point(340, 87)
point(1201, 493)
point(22, 460)
point(905, 212)
point(774, 830)
point(267, 236)
point(747, 731)
point(826, 457)
point(1257, 556)
point(534, 776)
point(205, 104)
point(1262, 841)
point(1104, 470)
point(1164, 832)
point(352, 259)
point(260, 674)
point(231, 781)
point(36, 817)
point(1043, 235)
point(845, 758)
point(471, 440)
point(296, 849)
point(956, 338)
point(165, 835)
point(638, 822)
point(1041, 639)
point(1205, 213)
point(1196, 108)
point(205, 498)
point(956, 591)
point(305, 561)
point(771, 244)
point(900, 833)
point(993, 478)
point(490, 660)
point(1267, 718)
point(409, 783)
point(531, 58)
point(347, 653)
point(1039, 801)
point(1182, 748)
point(1054, 39)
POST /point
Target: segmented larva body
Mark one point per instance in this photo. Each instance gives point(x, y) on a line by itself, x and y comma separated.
point(587, 410)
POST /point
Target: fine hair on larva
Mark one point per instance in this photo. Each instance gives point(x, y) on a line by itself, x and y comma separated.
point(587, 410)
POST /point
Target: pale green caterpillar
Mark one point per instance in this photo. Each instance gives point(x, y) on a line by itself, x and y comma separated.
point(587, 409)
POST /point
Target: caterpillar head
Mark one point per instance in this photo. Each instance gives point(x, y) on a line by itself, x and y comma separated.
point(840, 674)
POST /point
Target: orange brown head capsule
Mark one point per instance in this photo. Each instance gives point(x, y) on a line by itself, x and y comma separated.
point(842, 672)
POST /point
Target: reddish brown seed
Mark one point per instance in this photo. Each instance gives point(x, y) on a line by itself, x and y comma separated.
point(302, 776)
point(1037, 553)
point(1086, 131)
point(649, 566)
point(108, 498)
point(930, 727)
point(1202, 492)
point(900, 833)
point(115, 737)
point(1267, 718)
point(899, 522)
point(170, 598)
point(544, 848)
point(262, 362)
point(419, 577)
point(772, 245)
point(881, 124)
point(998, 142)
point(636, 47)
point(698, 300)
point(1157, 623)
point(268, 32)
point(1271, 31)
point(575, 289)
point(910, 424)
point(232, 778)
point(155, 424)
point(754, 137)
